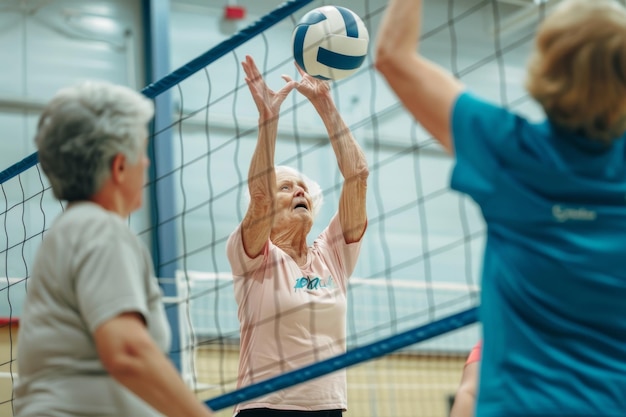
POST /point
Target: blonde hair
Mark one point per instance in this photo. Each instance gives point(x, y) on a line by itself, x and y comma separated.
point(578, 69)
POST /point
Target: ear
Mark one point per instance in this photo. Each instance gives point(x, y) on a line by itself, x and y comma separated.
point(118, 168)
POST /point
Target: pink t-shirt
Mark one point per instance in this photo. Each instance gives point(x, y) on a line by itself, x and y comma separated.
point(291, 317)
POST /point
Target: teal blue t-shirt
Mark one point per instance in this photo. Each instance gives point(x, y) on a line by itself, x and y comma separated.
point(554, 271)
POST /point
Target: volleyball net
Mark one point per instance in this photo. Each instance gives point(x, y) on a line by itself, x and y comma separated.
point(412, 299)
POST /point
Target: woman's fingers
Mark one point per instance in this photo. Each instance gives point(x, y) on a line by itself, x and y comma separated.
point(300, 70)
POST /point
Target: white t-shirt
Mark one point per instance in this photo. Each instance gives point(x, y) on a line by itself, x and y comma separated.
point(89, 269)
point(291, 317)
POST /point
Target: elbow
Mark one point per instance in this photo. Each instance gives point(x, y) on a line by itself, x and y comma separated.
point(396, 61)
point(263, 201)
point(359, 176)
point(383, 59)
point(121, 369)
point(359, 172)
point(379, 61)
point(363, 173)
point(128, 360)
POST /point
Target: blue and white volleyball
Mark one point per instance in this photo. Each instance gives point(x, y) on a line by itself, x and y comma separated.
point(330, 42)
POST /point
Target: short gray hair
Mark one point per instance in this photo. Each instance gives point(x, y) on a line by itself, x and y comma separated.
point(83, 128)
point(314, 189)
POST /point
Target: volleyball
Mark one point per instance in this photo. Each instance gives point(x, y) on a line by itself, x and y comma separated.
point(330, 42)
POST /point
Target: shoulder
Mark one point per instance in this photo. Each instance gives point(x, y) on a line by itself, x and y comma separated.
point(332, 235)
point(241, 263)
point(235, 247)
point(90, 216)
point(332, 247)
point(87, 225)
point(489, 134)
point(477, 119)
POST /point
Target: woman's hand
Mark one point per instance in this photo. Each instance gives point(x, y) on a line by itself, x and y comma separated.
point(310, 87)
point(267, 101)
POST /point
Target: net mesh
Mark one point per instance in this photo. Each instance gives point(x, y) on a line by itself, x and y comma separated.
point(420, 258)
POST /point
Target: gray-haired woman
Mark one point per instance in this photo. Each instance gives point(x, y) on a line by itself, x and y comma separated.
point(93, 333)
point(292, 296)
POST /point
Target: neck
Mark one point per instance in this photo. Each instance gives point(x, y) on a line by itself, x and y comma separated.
point(292, 242)
point(110, 199)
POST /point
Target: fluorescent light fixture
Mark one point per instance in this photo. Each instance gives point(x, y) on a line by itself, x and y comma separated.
point(95, 24)
point(92, 23)
point(99, 24)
